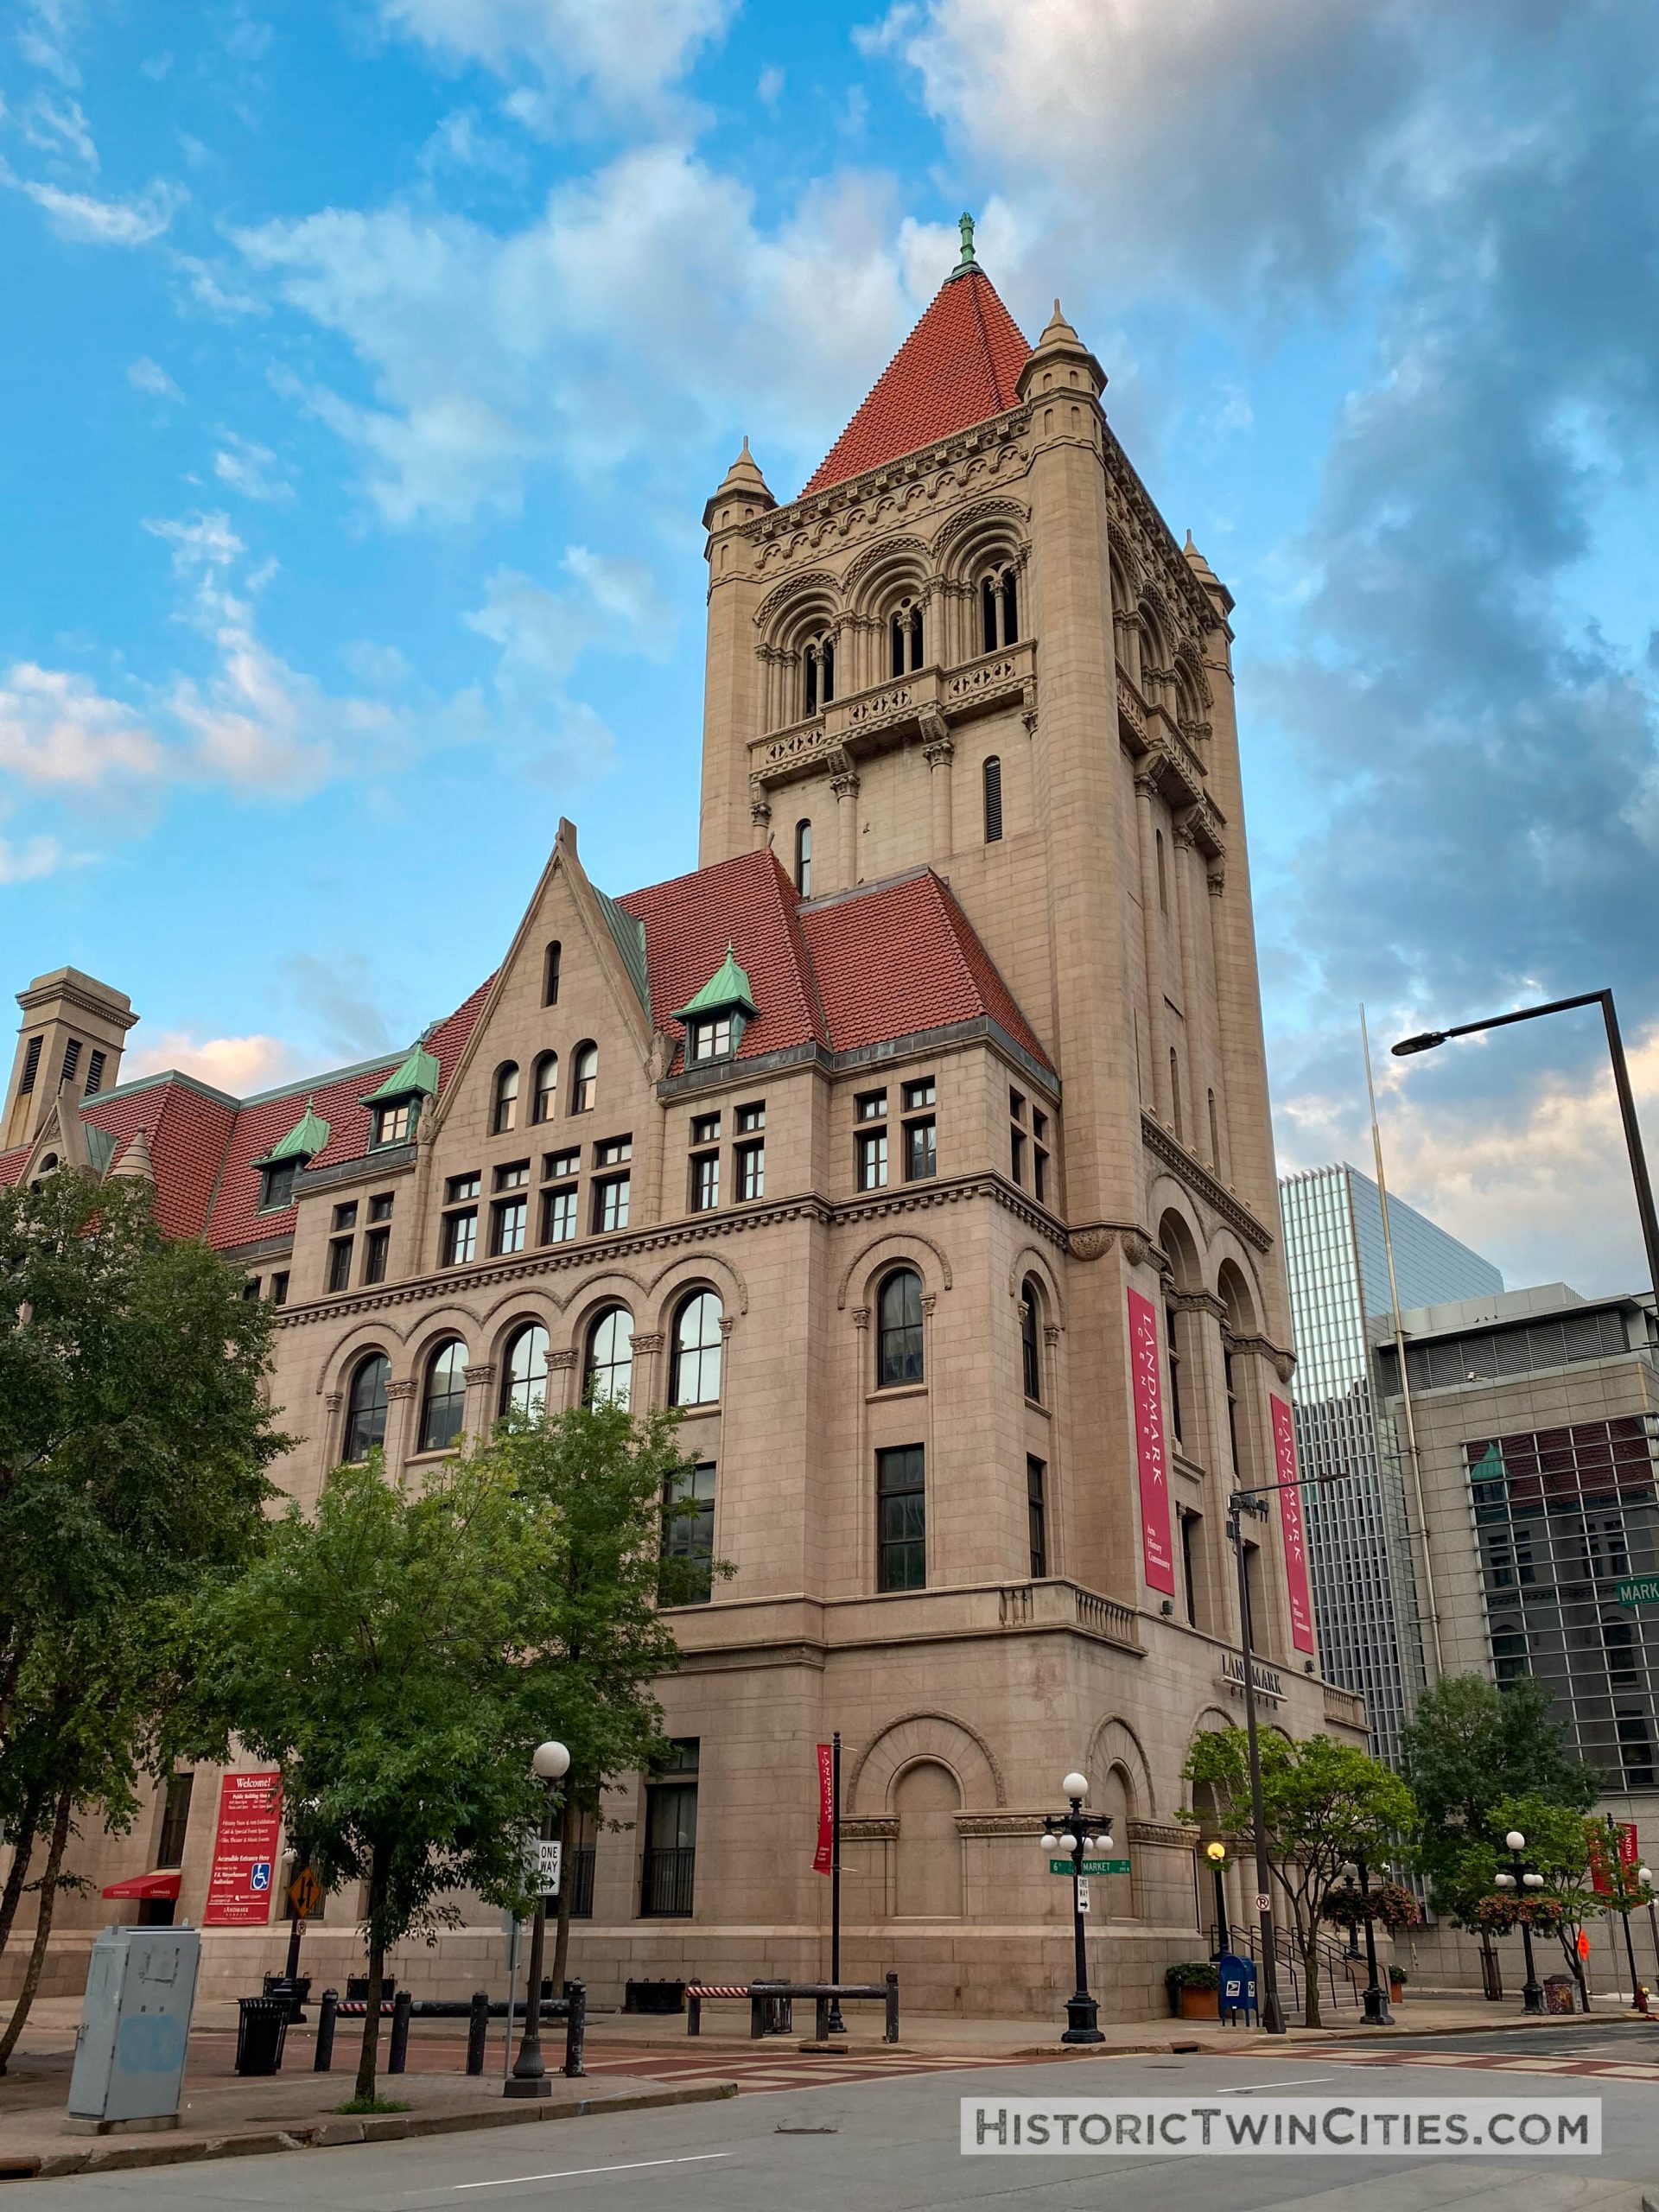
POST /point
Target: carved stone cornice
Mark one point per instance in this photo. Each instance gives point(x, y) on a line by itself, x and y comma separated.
point(876, 1827)
point(806, 526)
point(1164, 1836)
point(560, 1362)
point(1199, 1301)
point(653, 1341)
point(999, 1824)
point(1203, 1185)
point(395, 1391)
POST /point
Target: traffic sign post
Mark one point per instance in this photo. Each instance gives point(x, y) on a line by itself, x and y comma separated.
point(305, 1894)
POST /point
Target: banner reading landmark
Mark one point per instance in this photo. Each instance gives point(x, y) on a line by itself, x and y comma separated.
point(245, 1851)
point(1157, 1561)
point(823, 1856)
point(1290, 1527)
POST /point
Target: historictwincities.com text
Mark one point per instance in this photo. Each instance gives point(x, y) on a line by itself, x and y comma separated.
point(1437, 2127)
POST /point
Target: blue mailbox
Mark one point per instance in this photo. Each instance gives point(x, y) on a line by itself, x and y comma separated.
point(1237, 1989)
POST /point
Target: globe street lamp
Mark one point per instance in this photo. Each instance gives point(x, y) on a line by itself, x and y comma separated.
point(549, 1762)
point(1378, 2014)
point(1522, 1877)
point(1644, 1875)
point(1072, 1836)
point(1215, 1853)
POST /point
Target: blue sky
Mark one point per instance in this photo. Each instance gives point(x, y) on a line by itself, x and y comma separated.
point(369, 362)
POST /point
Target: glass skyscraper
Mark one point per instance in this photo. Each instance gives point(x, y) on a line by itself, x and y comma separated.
point(1364, 1583)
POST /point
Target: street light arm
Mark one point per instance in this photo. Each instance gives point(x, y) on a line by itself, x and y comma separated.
point(1430, 1039)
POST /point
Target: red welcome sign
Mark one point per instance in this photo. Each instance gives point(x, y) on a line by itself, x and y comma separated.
point(246, 1844)
point(1291, 1528)
point(1157, 1561)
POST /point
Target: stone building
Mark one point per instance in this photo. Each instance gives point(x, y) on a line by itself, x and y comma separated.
point(916, 1143)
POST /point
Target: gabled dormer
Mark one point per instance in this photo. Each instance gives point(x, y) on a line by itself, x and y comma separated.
point(395, 1108)
point(714, 1019)
point(278, 1167)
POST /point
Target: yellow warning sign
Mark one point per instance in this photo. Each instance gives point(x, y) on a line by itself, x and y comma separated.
point(305, 1893)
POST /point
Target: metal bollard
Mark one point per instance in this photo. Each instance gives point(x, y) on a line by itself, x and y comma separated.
point(398, 2055)
point(575, 2027)
point(478, 2031)
point(323, 2058)
point(890, 2033)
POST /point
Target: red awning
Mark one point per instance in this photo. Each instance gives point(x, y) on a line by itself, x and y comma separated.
point(165, 1885)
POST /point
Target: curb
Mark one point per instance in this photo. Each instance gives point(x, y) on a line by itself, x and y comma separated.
point(336, 2133)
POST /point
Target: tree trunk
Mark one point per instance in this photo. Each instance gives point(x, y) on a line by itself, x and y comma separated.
point(369, 2057)
point(22, 1850)
point(1311, 2015)
point(561, 1935)
point(59, 1845)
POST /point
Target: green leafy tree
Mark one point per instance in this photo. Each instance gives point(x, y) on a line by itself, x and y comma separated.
point(614, 1483)
point(134, 1438)
point(1325, 1804)
point(1558, 1847)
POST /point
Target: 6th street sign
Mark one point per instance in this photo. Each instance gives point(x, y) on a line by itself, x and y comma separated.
point(1090, 1867)
point(1643, 1591)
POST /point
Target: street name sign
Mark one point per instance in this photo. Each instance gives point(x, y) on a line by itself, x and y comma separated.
point(1090, 1867)
point(1643, 1591)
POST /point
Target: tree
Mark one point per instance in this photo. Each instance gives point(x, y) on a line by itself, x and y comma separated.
point(134, 1438)
point(1324, 1803)
point(613, 1482)
point(1558, 1847)
point(390, 1658)
point(1469, 1746)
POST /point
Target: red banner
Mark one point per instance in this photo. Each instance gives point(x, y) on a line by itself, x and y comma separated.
point(1157, 1561)
point(823, 1856)
point(1290, 1527)
point(1629, 1856)
point(245, 1851)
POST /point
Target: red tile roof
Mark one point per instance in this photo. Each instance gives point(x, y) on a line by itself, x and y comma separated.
point(187, 1127)
point(957, 367)
point(12, 1165)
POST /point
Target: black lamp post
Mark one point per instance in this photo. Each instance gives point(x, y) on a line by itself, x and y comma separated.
point(1615, 1870)
point(1070, 1837)
point(1241, 1502)
point(1378, 2014)
point(1522, 1877)
point(1215, 1853)
point(1644, 1206)
point(552, 1763)
point(1644, 1875)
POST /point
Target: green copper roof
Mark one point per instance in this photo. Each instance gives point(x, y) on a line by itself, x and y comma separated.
point(100, 1146)
point(418, 1072)
point(304, 1141)
point(728, 986)
point(628, 934)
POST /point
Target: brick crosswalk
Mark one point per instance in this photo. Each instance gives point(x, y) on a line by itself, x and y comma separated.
point(1493, 2060)
point(762, 2073)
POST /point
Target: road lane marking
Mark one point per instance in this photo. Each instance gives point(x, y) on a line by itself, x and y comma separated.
point(1247, 2088)
point(574, 2173)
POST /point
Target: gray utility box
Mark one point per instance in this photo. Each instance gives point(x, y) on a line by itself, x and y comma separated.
point(134, 2025)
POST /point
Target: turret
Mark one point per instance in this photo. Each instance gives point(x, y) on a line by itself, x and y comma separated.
point(732, 674)
point(70, 1040)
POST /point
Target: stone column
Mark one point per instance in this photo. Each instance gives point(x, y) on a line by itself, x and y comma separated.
point(759, 819)
point(401, 1417)
point(643, 1391)
point(563, 1380)
point(845, 787)
point(938, 750)
point(479, 1416)
point(864, 1544)
point(1145, 839)
point(1198, 1073)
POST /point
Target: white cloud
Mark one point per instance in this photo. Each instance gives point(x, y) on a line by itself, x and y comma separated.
point(625, 52)
point(214, 291)
point(59, 127)
point(770, 87)
point(150, 377)
point(84, 220)
point(58, 731)
point(239, 1065)
point(45, 35)
point(248, 467)
point(35, 857)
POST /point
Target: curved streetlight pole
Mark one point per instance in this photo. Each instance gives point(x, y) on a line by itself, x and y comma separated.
point(1522, 1877)
point(552, 1763)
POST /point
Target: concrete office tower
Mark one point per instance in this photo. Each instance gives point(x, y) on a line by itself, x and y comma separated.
point(916, 1146)
point(1365, 1578)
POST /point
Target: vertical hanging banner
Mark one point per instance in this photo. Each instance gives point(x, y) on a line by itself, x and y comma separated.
point(1291, 1528)
point(1602, 1868)
point(823, 1856)
point(1157, 1561)
point(245, 1845)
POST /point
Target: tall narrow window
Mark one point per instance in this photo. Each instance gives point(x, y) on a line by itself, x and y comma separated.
point(669, 1869)
point(999, 609)
point(820, 658)
point(1010, 599)
point(71, 1061)
point(505, 1112)
point(905, 634)
point(551, 964)
point(584, 1080)
point(687, 1577)
point(1190, 1565)
point(1175, 1091)
point(175, 1820)
point(609, 1374)
point(366, 1408)
point(901, 1519)
point(1163, 881)
point(95, 1075)
point(524, 1377)
point(992, 776)
point(544, 1090)
point(1215, 1133)
point(696, 1380)
point(804, 859)
point(444, 1400)
point(31, 1066)
point(987, 613)
point(1232, 1410)
point(1030, 1359)
point(898, 1330)
point(1172, 1351)
point(1036, 1515)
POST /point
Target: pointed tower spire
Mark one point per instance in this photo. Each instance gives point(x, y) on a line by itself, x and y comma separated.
point(136, 1161)
point(742, 493)
point(1205, 575)
point(1061, 361)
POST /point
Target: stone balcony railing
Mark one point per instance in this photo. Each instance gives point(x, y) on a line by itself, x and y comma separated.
point(1344, 1708)
point(888, 713)
point(1051, 1606)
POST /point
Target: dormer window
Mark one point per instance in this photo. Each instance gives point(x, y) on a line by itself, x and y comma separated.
point(714, 1019)
point(711, 1038)
point(276, 1185)
point(395, 1108)
point(394, 1124)
point(282, 1164)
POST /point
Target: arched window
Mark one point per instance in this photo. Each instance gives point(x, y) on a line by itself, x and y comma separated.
point(898, 1330)
point(1030, 1359)
point(551, 974)
point(366, 1408)
point(445, 1398)
point(608, 1376)
point(524, 1371)
point(999, 608)
point(819, 656)
point(804, 859)
point(697, 1351)
point(503, 1113)
point(905, 632)
point(993, 779)
point(544, 1087)
point(584, 1080)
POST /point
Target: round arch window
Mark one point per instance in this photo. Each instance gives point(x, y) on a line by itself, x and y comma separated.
point(444, 1400)
point(524, 1378)
point(697, 1351)
point(609, 1377)
point(365, 1409)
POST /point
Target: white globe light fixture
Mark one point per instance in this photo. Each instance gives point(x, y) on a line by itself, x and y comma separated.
point(550, 1761)
point(1644, 1874)
point(1068, 1841)
point(1515, 1840)
point(1076, 1785)
point(1048, 1842)
point(1533, 1881)
point(1504, 1881)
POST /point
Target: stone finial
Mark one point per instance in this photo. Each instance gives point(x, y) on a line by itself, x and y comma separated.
point(743, 488)
point(136, 1161)
point(1204, 575)
point(965, 225)
point(1061, 362)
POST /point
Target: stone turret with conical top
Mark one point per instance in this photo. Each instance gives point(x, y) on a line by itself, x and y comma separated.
point(741, 496)
point(134, 1163)
point(1214, 589)
point(1061, 362)
point(731, 670)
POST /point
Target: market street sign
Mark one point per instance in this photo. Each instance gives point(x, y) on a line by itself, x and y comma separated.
point(1643, 1591)
point(1090, 1867)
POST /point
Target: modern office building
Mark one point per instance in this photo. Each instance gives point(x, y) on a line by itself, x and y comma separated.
point(1360, 1530)
point(1535, 1414)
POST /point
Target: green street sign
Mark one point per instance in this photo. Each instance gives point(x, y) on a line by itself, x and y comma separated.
point(1643, 1591)
point(1090, 1867)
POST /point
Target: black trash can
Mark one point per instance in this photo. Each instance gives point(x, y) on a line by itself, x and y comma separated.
point(297, 1993)
point(261, 2031)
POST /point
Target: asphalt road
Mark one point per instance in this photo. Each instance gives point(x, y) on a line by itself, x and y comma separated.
point(893, 2144)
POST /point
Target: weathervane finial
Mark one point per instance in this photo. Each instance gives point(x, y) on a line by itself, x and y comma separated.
point(965, 225)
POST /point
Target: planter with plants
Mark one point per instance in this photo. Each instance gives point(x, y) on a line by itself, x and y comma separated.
point(1397, 1979)
point(1194, 1991)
